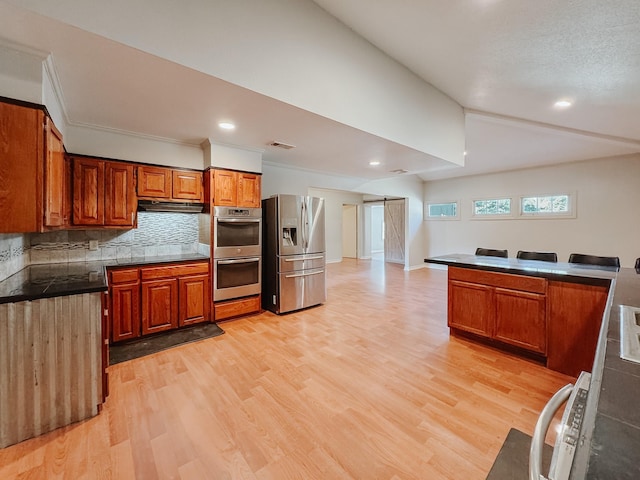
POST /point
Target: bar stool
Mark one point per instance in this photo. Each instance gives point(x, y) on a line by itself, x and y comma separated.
point(543, 256)
point(489, 252)
point(594, 260)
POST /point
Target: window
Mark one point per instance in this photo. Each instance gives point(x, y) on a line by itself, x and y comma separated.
point(447, 210)
point(543, 205)
point(492, 207)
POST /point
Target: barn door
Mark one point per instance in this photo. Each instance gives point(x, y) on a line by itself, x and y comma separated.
point(394, 231)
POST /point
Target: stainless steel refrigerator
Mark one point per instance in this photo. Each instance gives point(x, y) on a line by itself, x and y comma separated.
point(293, 259)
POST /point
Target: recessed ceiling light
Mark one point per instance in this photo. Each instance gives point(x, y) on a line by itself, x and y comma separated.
point(226, 125)
point(464, 153)
point(374, 163)
point(562, 104)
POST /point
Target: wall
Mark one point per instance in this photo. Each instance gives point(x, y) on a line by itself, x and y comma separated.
point(607, 197)
point(377, 228)
point(276, 179)
point(232, 157)
point(333, 202)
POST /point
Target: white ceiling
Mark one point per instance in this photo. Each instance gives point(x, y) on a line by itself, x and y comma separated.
point(505, 62)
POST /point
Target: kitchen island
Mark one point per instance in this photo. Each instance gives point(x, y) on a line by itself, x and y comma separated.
point(610, 435)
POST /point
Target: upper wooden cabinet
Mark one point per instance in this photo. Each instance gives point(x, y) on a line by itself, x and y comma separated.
point(235, 189)
point(154, 182)
point(161, 183)
point(187, 185)
point(55, 185)
point(103, 193)
point(32, 184)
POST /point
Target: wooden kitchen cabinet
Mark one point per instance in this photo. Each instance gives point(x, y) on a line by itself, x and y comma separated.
point(187, 185)
point(32, 185)
point(235, 189)
point(55, 185)
point(88, 191)
point(159, 305)
point(168, 184)
point(103, 193)
point(125, 304)
point(154, 182)
point(507, 308)
point(471, 307)
point(521, 319)
point(575, 317)
point(156, 298)
point(194, 299)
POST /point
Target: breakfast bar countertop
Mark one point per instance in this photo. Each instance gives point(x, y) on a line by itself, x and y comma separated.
point(58, 279)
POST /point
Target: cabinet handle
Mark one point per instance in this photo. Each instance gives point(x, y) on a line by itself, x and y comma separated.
point(303, 274)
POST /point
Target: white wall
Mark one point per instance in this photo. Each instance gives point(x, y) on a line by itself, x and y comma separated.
point(606, 223)
point(349, 231)
point(231, 156)
point(20, 74)
point(277, 179)
point(321, 65)
point(377, 228)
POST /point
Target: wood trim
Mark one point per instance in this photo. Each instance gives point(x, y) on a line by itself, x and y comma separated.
point(236, 308)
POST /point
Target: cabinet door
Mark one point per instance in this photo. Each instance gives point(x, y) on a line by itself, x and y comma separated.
point(249, 190)
point(120, 196)
point(159, 305)
point(575, 317)
point(54, 177)
point(521, 319)
point(187, 185)
point(88, 191)
point(125, 311)
point(471, 307)
point(21, 157)
point(154, 182)
point(194, 299)
point(225, 188)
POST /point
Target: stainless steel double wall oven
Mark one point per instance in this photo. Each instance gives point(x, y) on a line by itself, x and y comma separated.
point(237, 252)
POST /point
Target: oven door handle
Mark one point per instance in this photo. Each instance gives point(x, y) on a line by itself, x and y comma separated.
point(542, 425)
point(238, 220)
point(319, 257)
point(295, 275)
point(239, 260)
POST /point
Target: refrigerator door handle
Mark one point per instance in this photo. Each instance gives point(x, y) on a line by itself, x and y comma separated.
point(542, 425)
point(295, 275)
point(317, 257)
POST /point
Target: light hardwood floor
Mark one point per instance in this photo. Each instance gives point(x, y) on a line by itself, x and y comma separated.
point(367, 386)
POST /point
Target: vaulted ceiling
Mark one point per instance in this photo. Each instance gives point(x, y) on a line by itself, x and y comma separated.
point(504, 62)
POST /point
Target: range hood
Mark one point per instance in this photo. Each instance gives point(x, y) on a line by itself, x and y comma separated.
point(171, 207)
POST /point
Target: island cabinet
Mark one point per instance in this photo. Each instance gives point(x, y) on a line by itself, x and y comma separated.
point(557, 322)
point(170, 184)
point(234, 189)
point(151, 299)
point(103, 193)
point(507, 308)
point(33, 187)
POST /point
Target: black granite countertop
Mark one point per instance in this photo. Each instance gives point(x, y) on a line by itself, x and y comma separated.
point(611, 429)
point(59, 279)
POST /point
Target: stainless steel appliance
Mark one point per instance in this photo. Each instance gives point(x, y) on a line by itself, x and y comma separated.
point(293, 253)
point(568, 437)
point(237, 252)
point(236, 277)
point(237, 232)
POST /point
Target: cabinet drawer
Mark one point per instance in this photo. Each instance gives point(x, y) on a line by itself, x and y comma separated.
point(123, 276)
point(150, 273)
point(503, 280)
point(234, 308)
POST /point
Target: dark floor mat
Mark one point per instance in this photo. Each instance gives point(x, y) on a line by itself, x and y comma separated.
point(512, 462)
point(148, 345)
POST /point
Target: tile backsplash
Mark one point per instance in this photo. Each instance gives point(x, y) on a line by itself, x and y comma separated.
point(157, 234)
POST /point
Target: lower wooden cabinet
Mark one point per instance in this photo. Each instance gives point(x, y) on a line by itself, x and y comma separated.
point(194, 300)
point(237, 307)
point(125, 304)
point(159, 305)
point(557, 321)
point(480, 304)
point(146, 300)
